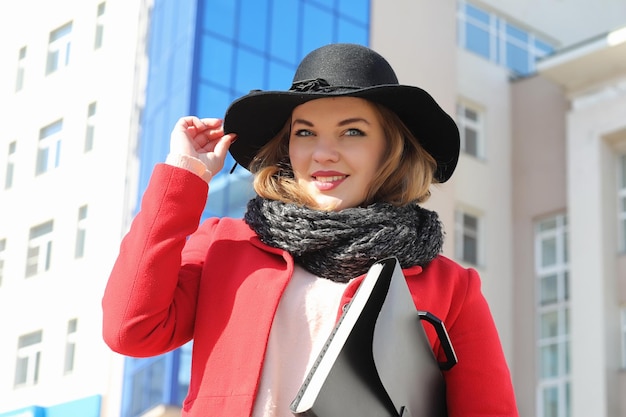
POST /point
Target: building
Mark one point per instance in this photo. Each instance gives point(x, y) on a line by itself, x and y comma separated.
point(69, 91)
point(569, 169)
point(535, 221)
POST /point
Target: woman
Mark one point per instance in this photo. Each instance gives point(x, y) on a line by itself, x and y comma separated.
point(340, 162)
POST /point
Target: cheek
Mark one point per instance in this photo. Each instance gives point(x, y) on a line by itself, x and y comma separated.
point(295, 157)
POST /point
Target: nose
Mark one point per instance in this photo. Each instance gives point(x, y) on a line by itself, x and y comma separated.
point(325, 150)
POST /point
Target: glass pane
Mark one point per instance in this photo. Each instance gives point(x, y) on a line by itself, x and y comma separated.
point(550, 402)
point(51, 129)
point(72, 326)
point(52, 62)
point(21, 371)
point(41, 229)
point(548, 290)
point(476, 14)
point(29, 339)
point(252, 15)
point(470, 222)
point(548, 251)
point(70, 349)
point(549, 324)
point(359, 11)
point(470, 249)
point(477, 40)
point(60, 32)
point(516, 33)
point(517, 58)
point(543, 48)
point(317, 27)
point(471, 114)
point(471, 141)
point(549, 361)
point(250, 71)
point(549, 224)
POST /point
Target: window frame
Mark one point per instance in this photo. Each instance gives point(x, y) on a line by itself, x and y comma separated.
point(70, 346)
point(59, 47)
point(554, 263)
point(501, 40)
point(90, 126)
point(9, 173)
point(477, 126)
point(49, 147)
point(39, 249)
point(81, 232)
point(21, 69)
point(100, 20)
point(28, 359)
point(462, 231)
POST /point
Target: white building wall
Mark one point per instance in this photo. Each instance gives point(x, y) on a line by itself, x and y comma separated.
point(484, 185)
point(111, 77)
point(592, 200)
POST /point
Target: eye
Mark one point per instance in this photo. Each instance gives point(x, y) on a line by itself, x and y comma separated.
point(354, 132)
point(303, 132)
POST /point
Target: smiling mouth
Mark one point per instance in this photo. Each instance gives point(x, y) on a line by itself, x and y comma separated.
point(333, 178)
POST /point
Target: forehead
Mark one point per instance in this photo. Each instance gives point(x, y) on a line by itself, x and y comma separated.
point(336, 106)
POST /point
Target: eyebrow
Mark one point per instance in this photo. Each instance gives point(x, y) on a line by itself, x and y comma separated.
point(341, 123)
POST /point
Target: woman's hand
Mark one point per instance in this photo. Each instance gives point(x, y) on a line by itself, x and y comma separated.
point(203, 139)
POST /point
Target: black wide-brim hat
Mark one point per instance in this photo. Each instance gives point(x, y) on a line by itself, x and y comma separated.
point(343, 70)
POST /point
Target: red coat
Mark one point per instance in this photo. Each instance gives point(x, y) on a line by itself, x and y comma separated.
point(226, 292)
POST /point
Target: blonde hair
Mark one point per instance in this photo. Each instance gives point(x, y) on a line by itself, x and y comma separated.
point(404, 176)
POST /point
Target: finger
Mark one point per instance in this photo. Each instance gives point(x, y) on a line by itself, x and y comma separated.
point(220, 146)
point(211, 122)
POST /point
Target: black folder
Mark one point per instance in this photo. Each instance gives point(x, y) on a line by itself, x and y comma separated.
point(378, 362)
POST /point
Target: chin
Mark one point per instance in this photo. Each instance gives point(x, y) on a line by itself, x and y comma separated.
point(329, 204)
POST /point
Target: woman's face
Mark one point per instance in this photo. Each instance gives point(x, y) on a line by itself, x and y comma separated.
point(336, 147)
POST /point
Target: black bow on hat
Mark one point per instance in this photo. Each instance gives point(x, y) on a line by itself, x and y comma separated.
point(338, 70)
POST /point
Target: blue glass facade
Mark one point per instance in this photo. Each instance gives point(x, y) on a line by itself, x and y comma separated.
point(83, 407)
point(202, 55)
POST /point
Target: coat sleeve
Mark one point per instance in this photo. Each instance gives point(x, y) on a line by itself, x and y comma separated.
point(150, 299)
point(480, 384)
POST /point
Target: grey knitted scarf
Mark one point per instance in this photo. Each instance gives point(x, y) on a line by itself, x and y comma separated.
point(344, 244)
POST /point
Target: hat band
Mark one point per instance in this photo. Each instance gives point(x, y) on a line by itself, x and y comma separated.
point(318, 85)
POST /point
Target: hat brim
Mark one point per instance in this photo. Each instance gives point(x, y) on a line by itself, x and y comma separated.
point(259, 116)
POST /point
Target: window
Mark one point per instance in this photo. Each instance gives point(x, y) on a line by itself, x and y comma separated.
point(81, 232)
point(59, 48)
point(21, 68)
point(49, 149)
point(552, 301)
point(8, 176)
point(497, 40)
point(3, 248)
point(91, 126)
point(70, 346)
point(471, 129)
point(39, 251)
point(467, 238)
point(621, 196)
point(28, 359)
point(99, 25)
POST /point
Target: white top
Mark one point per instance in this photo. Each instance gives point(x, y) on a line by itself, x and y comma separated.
point(306, 315)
